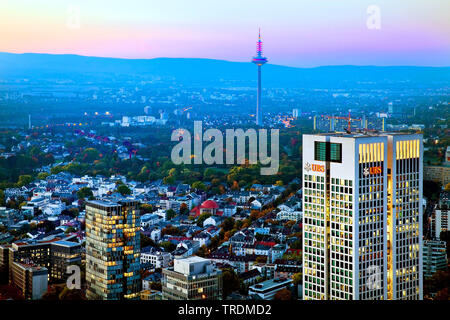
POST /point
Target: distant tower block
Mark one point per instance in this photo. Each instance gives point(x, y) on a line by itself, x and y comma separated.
point(295, 113)
point(29, 121)
point(391, 107)
point(259, 60)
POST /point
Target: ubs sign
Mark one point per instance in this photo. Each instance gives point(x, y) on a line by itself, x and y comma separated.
point(314, 167)
point(372, 170)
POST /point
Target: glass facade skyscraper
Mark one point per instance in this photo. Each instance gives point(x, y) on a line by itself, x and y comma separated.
point(112, 250)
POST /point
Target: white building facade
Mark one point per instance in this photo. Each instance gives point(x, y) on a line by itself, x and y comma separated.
point(361, 204)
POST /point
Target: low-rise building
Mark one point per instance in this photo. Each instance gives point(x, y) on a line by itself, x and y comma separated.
point(434, 257)
point(266, 290)
point(63, 255)
point(437, 173)
point(290, 215)
point(192, 278)
point(151, 295)
point(439, 221)
point(155, 258)
point(31, 280)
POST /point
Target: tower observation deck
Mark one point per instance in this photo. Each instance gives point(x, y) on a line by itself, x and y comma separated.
point(259, 60)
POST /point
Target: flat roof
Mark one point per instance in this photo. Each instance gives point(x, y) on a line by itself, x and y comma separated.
point(104, 203)
point(367, 134)
point(67, 243)
point(269, 284)
point(193, 259)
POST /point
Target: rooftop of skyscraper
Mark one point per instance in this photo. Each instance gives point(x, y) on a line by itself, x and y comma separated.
point(361, 134)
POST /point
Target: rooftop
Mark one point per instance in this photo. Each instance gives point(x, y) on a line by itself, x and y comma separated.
point(67, 243)
point(364, 134)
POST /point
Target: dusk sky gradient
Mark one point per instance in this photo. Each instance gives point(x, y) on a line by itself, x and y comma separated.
point(295, 32)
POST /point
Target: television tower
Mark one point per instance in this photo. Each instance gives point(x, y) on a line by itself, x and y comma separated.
point(259, 60)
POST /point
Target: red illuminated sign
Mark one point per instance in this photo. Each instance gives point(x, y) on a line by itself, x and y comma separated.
point(375, 170)
point(318, 168)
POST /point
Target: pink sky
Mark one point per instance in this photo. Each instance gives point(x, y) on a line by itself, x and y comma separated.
point(295, 33)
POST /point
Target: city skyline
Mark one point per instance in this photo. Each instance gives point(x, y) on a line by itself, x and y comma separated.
point(300, 34)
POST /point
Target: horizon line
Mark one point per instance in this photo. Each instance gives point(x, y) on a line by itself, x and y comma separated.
point(215, 59)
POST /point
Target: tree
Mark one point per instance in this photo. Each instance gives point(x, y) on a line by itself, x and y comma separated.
point(198, 185)
point(203, 251)
point(42, 175)
point(146, 208)
point(296, 245)
point(171, 230)
point(261, 259)
point(230, 282)
point(445, 236)
point(169, 180)
point(47, 225)
point(170, 214)
point(61, 292)
point(156, 286)
point(297, 278)
point(89, 155)
point(2, 198)
point(228, 224)
point(201, 218)
point(283, 294)
point(168, 246)
point(123, 190)
point(184, 209)
point(146, 241)
point(431, 190)
point(84, 192)
point(24, 180)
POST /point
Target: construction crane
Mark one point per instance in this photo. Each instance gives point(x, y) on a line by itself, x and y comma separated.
point(349, 120)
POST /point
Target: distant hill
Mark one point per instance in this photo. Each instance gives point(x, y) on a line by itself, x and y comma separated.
point(190, 71)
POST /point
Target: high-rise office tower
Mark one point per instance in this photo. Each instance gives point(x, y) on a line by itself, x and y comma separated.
point(112, 250)
point(259, 60)
point(362, 216)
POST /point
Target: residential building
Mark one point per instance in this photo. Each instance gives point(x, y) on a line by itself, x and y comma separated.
point(155, 258)
point(290, 215)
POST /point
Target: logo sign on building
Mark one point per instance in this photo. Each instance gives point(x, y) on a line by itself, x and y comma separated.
point(307, 167)
point(314, 167)
point(372, 170)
